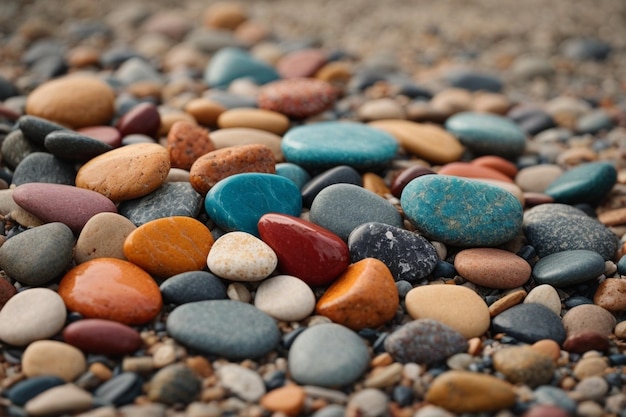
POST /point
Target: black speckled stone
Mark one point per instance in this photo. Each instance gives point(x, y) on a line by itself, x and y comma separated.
point(23, 391)
point(343, 174)
point(567, 268)
point(408, 255)
point(529, 323)
point(192, 286)
point(44, 167)
point(120, 390)
point(552, 228)
point(36, 129)
point(73, 146)
point(170, 199)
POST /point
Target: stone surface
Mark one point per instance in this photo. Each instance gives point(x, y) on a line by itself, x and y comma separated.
point(365, 295)
point(455, 306)
point(240, 256)
point(493, 268)
point(102, 337)
point(228, 64)
point(44, 167)
point(243, 382)
point(568, 268)
point(143, 118)
point(103, 236)
point(50, 357)
point(589, 317)
point(186, 142)
point(174, 384)
point(529, 323)
point(35, 129)
point(524, 365)
point(546, 295)
point(112, 289)
point(609, 295)
point(191, 286)
point(297, 97)
point(586, 183)
point(74, 146)
point(59, 400)
point(231, 329)
point(285, 298)
point(445, 209)
point(266, 120)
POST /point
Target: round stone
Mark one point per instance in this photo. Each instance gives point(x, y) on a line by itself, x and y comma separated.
point(328, 355)
point(294, 172)
point(261, 119)
point(536, 178)
point(586, 183)
point(529, 323)
point(186, 142)
point(588, 317)
point(143, 118)
point(73, 101)
point(243, 382)
point(227, 328)
point(240, 256)
point(174, 384)
point(103, 337)
point(285, 298)
point(381, 109)
point(524, 365)
point(229, 64)
point(103, 236)
point(43, 167)
point(546, 295)
point(609, 295)
point(191, 286)
point(289, 399)
point(297, 97)
point(301, 63)
point(50, 357)
point(59, 400)
point(492, 268)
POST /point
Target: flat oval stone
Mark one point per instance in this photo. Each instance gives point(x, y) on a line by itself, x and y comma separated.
point(446, 209)
point(365, 295)
point(191, 286)
point(468, 170)
point(43, 167)
point(227, 328)
point(424, 341)
point(53, 358)
point(552, 228)
point(455, 306)
point(74, 101)
point(492, 268)
point(103, 337)
point(536, 178)
point(204, 110)
point(240, 256)
point(236, 136)
point(15, 147)
point(169, 246)
point(426, 141)
point(610, 294)
point(328, 144)
point(470, 392)
point(74, 146)
point(408, 255)
point(230, 63)
point(304, 249)
point(146, 166)
point(572, 267)
point(524, 365)
point(529, 323)
point(261, 119)
point(301, 63)
point(285, 298)
point(143, 118)
point(103, 236)
point(288, 399)
point(59, 400)
point(342, 174)
point(38, 255)
point(328, 355)
point(586, 183)
point(66, 204)
point(33, 314)
point(243, 382)
point(27, 389)
point(341, 208)
point(586, 341)
point(170, 199)
point(294, 172)
point(35, 129)
point(121, 389)
point(406, 176)
point(229, 202)
point(174, 384)
point(106, 134)
point(498, 163)
point(217, 165)
point(186, 142)
point(487, 134)
point(297, 97)
point(546, 295)
point(111, 289)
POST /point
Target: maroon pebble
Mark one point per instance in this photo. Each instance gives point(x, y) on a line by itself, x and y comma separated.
point(6, 291)
point(406, 177)
point(301, 63)
point(8, 113)
point(144, 118)
point(297, 97)
point(546, 411)
point(585, 341)
point(107, 134)
point(535, 199)
point(104, 337)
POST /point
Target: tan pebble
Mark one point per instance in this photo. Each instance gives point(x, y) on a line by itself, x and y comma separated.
point(103, 237)
point(424, 112)
point(335, 73)
point(139, 364)
point(506, 302)
point(380, 109)
point(186, 142)
point(475, 346)
point(524, 365)
point(586, 367)
point(251, 32)
point(200, 365)
point(164, 355)
point(385, 376)
point(108, 411)
point(49, 357)
point(183, 56)
point(59, 400)
point(100, 371)
point(536, 178)
point(83, 56)
point(382, 359)
point(225, 15)
point(237, 136)
point(589, 317)
point(212, 394)
point(205, 111)
point(620, 330)
point(611, 295)
point(25, 218)
point(549, 348)
point(375, 184)
point(288, 400)
point(491, 103)
point(170, 117)
point(146, 89)
point(613, 217)
point(266, 120)
point(177, 175)
point(452, 100)
point(546, 295)
point(269, 52)
point(576, 156)
point(238, 292)
point(492, 268)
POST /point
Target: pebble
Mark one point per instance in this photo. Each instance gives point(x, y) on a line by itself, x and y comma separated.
point(120, 390)
point(7, 291)
point(43, 167)
point(74, 146)
point(609, 295)
point(590, 366)
point(455, 306)
point(595, 122)
point(50, 357)
point(38, 255)
point(614, 217)
point(328, 144)
point(586, 183)
point(594, 388)
point(406, 176)
point(552, 228)
point(536, 178)
point(470, 392)
point(297, 98)
point(73, 101)
point(217, 165)
point(529, 323)
point(498, 163)
point(169, 246)
point(424, 341)
point(586, 341)
point(327, 355)
point(474, 80)
point(469, 170)
point(243, 382)
point(301, 63)
point(487, 134)
point(30, 315)
point(492, 268)
point(567, 268)
point(15, 147)
point(342, 174)
point(112, 289)
point(385, 376)
point(174, 384)
point(232, 329)
point(507, 301)
point(408, 255)
point(204, 110)
point(289, 400)
point(554, 396)
point(364, 296)
point(240, 256)
point(321, 255)
point(191, 286)
point(547, 295)
point(229, 64)
point(35, 129)
point(237, 136)
point(27, 389)
point(266, 120)
point(438, 205)
point(370, 402)
point(285, 298)
point(146, 166)
point(186, 142)
point(341, 208)
point(102, 337)
point(620, 330)
point(59, 400)
point(524, 365)
point(103, 236)
point(589, 317)
point(548, 347)
point(381, 109)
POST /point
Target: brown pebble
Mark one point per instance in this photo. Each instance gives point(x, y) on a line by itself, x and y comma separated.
point(169, 118)
point(301, 63)
point(234, 136)
point(546, 410)
point(593, 366)
point(375, 184)
point(336, 73)
point(382, 359)
point(289, 400)
point(186, 142)
point(548, 347)
point(83, 56)
point(525, 365)
point(507, 301)
point(611, 294)
point(452, 100)
point(589, 317)
point(100, 371)
point(585, 341)
point(491, 103)
point(613, 217)
point(200, 365)
point(225, 15)
point(266, 120)
point(492, 268)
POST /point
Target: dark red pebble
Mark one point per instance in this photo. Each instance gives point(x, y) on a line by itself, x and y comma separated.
point(406, 177)
point(102, 337)
point(144, 118)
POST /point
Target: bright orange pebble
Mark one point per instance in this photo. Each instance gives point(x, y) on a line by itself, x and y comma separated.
point(467, 170)
point(288, 399)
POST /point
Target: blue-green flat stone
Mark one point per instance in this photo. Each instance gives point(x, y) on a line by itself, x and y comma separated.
point(230, 63)
point(586, 183)
point(572, 267)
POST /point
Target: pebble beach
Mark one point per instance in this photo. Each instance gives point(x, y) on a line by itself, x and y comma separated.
point(276, 209)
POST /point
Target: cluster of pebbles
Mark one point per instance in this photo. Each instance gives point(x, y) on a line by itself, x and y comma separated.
point(312, 208)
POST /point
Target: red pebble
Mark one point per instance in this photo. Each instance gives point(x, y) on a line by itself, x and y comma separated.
point(107, 134)
point(6, 292)
point(304, 249)
point(301, 63)
point(585, 341)
point(102, 337)
point(144, 118)
point(297, 97)
point(467, 170)
point(498, 163)
point(406, 177)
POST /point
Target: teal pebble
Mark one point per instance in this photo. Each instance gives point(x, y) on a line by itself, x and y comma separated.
point(294, 172)
point(572, 267)
point(621, 265)
point(238, 202)
point(586, 183)
point(487, 134)
point(325, 145)
point(230, 63)
point(461, 212)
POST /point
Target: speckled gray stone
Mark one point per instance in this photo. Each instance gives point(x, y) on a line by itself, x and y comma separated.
point(15, 147)
point(568, 268)
point(44, 167)
point(73, 146)
point(191, 286)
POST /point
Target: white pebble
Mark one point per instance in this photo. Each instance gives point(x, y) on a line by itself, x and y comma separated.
point(285, 297)
point(240, 256)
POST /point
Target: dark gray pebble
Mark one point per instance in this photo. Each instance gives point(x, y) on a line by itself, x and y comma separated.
point(191, 286)
point(120, 390)
point(15, 147)
point(35, 129)
point(174, 384)
point(342, 174)
point(73, 146)
point(44, 167)
point(529, 323)
point(23, 391)
point(474, 81)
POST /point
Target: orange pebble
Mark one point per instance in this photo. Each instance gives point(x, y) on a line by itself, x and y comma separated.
point(498, 163)
point(548, 347)
point(288, 399)
point(468, 170)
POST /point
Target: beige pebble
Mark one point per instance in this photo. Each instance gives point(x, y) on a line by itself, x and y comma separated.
point(204, 111)
point(266, 120)
point(524, 365)
point(493, 268)
point(576, 156)
point(172, 116)
point(103, 237)
point(536, 178)
point(240, 256)
point(177, 175)
point(385, 376)
point(507, 301)
point(452, 100)
point(614, 217)
point(546, 295)
point(238, 292)
point(375, 184)
point(549, 348)
point(611, 295)
point(225, 15)
point(100, 371)
point(49, 357)
point(491, 103)
point(589, 317)
point(587, 367)
point(235, 136)
point(25, 218)
point(285, 298)
point(107, 411)
point(59, 400)
point(139, 364)
point(620, 330)
point(336, 73)
point(380, 109)
point(164, 355)
point(269, 52)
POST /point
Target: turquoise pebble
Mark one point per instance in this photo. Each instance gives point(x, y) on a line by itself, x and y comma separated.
point(461, 212)
point(621, 265)
point(329, 144)
point(230, 63)
point(572, 267)
point(238, 202)
point(487, 134)
point(294, 172)
point(586, 183)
